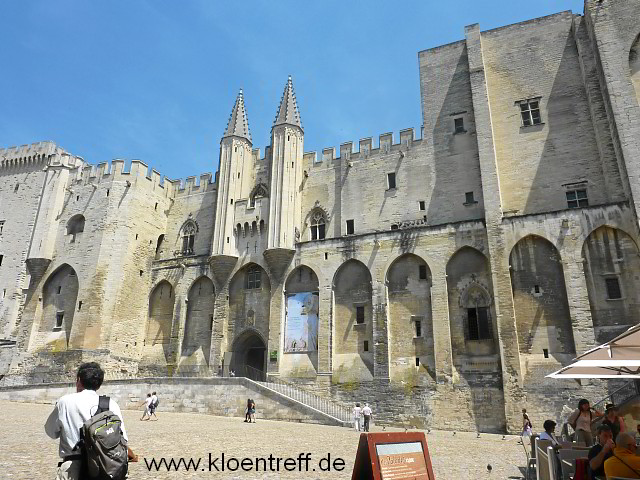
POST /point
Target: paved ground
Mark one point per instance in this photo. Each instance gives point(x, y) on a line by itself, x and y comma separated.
point(27, 453)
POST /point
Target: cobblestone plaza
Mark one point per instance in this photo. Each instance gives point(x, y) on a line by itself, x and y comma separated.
point(27, 453)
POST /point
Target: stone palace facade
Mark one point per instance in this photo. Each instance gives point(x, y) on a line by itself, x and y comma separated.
point(439, 277)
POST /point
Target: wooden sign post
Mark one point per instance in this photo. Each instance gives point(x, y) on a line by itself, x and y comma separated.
point(393, 456)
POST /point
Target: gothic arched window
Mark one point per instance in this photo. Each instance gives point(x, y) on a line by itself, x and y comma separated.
point(259, 191)
point(189, 230)
point(254, 278)
point(318, 222)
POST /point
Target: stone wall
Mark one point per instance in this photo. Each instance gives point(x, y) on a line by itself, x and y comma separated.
point(216, 396)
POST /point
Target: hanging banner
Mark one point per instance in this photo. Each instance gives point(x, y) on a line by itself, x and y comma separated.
point(301, 328)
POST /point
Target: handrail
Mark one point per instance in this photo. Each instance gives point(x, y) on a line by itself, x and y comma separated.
point(310, 399)
point(629, 389)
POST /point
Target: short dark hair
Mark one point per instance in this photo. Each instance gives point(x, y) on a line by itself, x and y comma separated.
point(154, 393)
point(603, 428)
point(548, 425)
point(583, 401)
point(90, 375)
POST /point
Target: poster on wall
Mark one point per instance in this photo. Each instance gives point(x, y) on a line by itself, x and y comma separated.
point(301, 331)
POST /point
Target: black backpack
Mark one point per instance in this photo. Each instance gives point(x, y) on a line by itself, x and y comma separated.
point(103, 446)
point(156, 403)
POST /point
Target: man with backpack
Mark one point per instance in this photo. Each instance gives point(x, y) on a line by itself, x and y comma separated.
point(93, 440)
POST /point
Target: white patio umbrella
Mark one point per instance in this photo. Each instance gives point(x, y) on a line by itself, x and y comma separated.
point(618, 358)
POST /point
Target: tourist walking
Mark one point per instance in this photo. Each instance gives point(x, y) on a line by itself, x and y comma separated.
point(527, 427)
point(70, 414)
point(252, 411)
point(154, 405)
point(366, 414)
point(581, 420)
point(247, 412)
point(147, 407)
point(357, 411)
point(612, 419)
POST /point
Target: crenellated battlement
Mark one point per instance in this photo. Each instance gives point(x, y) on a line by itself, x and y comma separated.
point(139, 175)
point(23, 155)
point(365, 150)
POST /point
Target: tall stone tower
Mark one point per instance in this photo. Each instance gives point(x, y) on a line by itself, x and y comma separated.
point(234, 182)
point(287, 140)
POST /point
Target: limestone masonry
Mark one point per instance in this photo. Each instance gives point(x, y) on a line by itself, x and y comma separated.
point(439, 278)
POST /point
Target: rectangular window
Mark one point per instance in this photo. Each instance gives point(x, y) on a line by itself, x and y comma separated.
point(478, 323)
point(613, 288)
point(59, 289)
point(1, 226)
point(59, 318)
point(530, 113)
point(350, 227)
point(458, 124)
point(79, 305)
point(254, 278)
point(1, 257)
point(391, 181)
point(577, 198)
point(469, 197)
point(422, 205)
point(366, 346)
point(360, 314)
point(417, 361)
point(418, 325)
point(422, 272)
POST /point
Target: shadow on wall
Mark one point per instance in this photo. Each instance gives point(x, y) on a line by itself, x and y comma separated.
point(569, 153)
point(456, 165)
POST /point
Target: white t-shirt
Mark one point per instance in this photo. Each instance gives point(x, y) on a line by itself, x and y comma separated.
point(546, 436)
point(154, 399)
point(356, 412)
point(366, 411)
point(148, 401)
point(70, 413)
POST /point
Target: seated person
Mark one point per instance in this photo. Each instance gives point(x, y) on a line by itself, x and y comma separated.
point(601, 451)
point(549, 427)
point(624, 462)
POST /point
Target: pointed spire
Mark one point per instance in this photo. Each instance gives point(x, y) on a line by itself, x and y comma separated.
point(288, 110)
point(238, 125)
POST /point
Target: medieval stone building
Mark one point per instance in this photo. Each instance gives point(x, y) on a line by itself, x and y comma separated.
point(439, 278)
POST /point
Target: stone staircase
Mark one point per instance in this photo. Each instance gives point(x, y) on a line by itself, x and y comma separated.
point(334, 411)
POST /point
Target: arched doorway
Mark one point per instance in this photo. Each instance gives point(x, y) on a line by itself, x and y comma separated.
point(160, 321)
point(249, 355)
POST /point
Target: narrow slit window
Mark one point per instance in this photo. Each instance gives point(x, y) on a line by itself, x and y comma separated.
point(468, 197)
point(417, 361)
point(350, 227)
point(391, 181)
point(366, 346)
point(613, 288)
point(418, 325)
point(59, 319)
point(422, 272)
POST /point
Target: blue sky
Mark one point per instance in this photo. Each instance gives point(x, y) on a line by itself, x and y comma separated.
point(156, 80)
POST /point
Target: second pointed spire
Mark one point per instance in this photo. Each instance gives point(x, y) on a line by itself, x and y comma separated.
point(288, 112)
